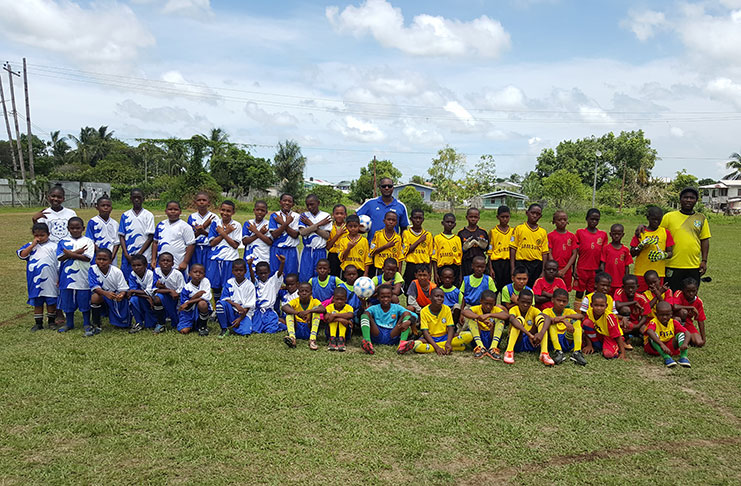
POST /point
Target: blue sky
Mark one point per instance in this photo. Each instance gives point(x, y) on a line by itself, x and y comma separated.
point(400, 80)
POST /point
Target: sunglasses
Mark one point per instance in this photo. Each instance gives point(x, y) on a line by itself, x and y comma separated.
point(387, 186)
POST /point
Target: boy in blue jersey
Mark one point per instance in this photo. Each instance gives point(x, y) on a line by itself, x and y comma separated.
point(511, 291)
point(135, 231)
point(386, 323)
point(108, 288)
point(146, 306)
point(314, 226)
point(389, 275)
point(195, 302)
point(473, 285)
point(283, 229)
point(236, 306)
point(74, 254)
point(323, 285)
point(103, 229)
point(224, 237)
point(452, 293)
point(42, 275)
point(168, 284)
point(201, 221)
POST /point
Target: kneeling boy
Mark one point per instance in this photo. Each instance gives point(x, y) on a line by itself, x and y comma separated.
point(195, 302)
point(108, 293)
point(236, 306)
point(603, 329)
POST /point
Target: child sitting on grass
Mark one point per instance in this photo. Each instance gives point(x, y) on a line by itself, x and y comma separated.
point(486, 324)
point(195, 302)
point(339, 318)
point(603, 329)
point(525, 318)
point(546, 285)
point(302, 317)
point(632, 306)
point(386, 323)
point(146, 306)
point(108, 294)
point(666, 337)
point(438, 328)
point(168, 284)
point(236, 306)
point(452, 293)
point(688, 308)
point(267, 286)
point(564, 328)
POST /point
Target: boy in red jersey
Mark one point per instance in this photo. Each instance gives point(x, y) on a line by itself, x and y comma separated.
point(603, 330)
point(563, 247)
point(632, 306)
point(590, 241)
point(615, 257)
point(657, 291)
point(666, 337)
point(546, 284)
point(688, 307)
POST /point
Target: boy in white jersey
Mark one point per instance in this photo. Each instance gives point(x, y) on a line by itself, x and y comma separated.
point(174, 236)
point(255, 236)
point(283, 229)
point(314, 225)
point(224, 237)
point(74, 254)
point(103, 229)
point(195, 302)
point(201, 221)
point(168, 284)
point(108, 293)
point(55, 216)
point(135, 231)
point(237, 304)
point(265, 319)
point(42, 275)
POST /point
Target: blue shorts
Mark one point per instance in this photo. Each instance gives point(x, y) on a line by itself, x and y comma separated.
point(117, 312)
point(71, 300)
point(384, 337)
point(201, 255)
point(40, 301)
point(291, 254)
point(566, 345)
point(524, 344)
point(142, 312)
point(266, 321)
point(187, 318)
point(218, 273)
point(303, 330)
point(309, 258)
point(226, 315)
point(485, 338)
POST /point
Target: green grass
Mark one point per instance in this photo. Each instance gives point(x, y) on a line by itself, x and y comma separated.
point(144, 409)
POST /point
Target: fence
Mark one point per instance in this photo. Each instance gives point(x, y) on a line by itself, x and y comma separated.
point(15, 192)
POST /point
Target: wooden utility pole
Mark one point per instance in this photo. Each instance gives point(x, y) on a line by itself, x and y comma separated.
point(375, 187)
point(28, 122)
point(15, 119)
point(7, 125)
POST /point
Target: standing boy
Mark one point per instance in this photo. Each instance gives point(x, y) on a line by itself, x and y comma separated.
point(283, 228)
point(499, 239)
point(74, 254)
point(562, 244)
point(447, 251)
point(651, 247)
point(224, 237)
point(201, 221)
point(314, 226)
point(174, 236)
point(42, 275)
point(474, 241)
point(615, 258)
point(256, 236)
point(55, 216)
point(103, 229)
point(529, 246)
point(416, 243)
point(135, 231)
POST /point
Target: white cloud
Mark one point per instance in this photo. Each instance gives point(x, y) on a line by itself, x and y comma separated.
point(594, 115)
point(164, 115)
point(283, 118)
point(508, 98)
point(644, 23)
point(190, 8)
point(459, 111)
point(427, 35)
point(725, 90)
point(103, 33)
point(676, 132)
point(533, 141)
point(355, 129)
point(179, 83)
point(717, 37)
point(421, 136)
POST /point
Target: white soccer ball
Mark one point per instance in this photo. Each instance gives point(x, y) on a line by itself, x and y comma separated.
point(365, 223)
point(364, 287)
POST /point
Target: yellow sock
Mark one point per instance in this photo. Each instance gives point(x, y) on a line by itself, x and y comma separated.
point(459, 348)
point(577, 336)
point(553, 334)
point(473, 327)
point(514, 333)
point(497, 336)
point(291, 325)
point(462, 339)
point(333, 328)
point(540, 322)
point(314, 326)
point(343, 330)
point(422, 347)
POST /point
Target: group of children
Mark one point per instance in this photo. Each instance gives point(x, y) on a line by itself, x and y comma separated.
point(503, 291)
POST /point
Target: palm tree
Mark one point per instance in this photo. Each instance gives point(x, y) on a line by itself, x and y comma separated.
point(216, 142)
point(735, 164)
point(85, 143)
point(58, 147)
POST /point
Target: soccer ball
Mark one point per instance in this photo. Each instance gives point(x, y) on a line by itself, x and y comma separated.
point(365, 223)
point(364, 287)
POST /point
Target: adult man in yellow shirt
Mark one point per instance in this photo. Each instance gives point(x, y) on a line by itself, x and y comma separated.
point(691, 240)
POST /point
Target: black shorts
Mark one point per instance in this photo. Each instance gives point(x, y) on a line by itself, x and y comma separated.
point(334, 264)
point(534, 269)
point(409, 273)
point(502, 273)
point(456, 273)
point(674, 277)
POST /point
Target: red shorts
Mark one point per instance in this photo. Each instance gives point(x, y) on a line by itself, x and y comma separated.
point(567, 278)
point(671, 344)
point(642, 287)
point(609, 345)
point(689, 325)
point(585, 283)
point(630, 326)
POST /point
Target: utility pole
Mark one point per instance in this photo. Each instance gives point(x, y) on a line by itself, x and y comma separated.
point(7, 126)
point(375, 188)
point(15, 119)
point(28, 122)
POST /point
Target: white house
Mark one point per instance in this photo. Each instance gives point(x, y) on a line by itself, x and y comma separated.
point(722, 196)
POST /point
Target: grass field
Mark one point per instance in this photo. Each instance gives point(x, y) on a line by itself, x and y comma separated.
point(171, 409)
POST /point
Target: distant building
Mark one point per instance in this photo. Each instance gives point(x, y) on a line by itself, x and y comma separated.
point(507, 186)
point(312, 182)
point(343, 186)
point(423, 190)
point(493, 200)
point(722, 196)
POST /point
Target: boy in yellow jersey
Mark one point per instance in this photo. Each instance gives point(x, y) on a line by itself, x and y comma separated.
point(602, 283)
point(299, 313)
point(486, 324)
point(666, 337)
point(447, 250)
point(386, 244)
point(499, 239)
point(603, 329)
point(651, 247)
point(438, 328)
point(352, 248)
point(529, 245)
point(525, 318)
point(339, 214)
point(564, 328)
point(417, 245)
point(339, 317)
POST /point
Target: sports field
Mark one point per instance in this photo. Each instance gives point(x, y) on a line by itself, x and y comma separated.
point(172, 409)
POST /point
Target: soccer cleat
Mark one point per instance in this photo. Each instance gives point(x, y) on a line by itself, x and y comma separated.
point(557, 356)
point(135, 328)
point(203, 331)
point(628, 346)
point(341, 344)
point(367, 347)
point(224, 333)
point(159, 328)
point(685, 363)
point(405, 347)
point(332, 343)
point(495, 354)
point(89, 332)
point(546, 360)
point(97, 330)
point(509, 357)
point(313, 345)
point(479, 352)
point(290, 341)
point(65, 328)
point(37, 327)
point(670, 363)
point(578, 358)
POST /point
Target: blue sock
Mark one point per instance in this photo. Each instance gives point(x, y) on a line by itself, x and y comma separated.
point(70, 320)
point(86, 319)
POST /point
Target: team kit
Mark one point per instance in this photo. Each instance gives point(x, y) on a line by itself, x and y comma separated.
point(494, 293)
